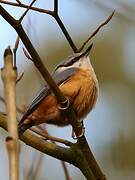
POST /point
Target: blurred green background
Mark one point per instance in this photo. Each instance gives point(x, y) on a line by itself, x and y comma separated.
point(110, 126)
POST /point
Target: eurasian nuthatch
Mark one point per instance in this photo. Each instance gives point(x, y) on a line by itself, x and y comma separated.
point(77, 81)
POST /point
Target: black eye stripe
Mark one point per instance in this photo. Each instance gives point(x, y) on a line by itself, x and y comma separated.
point(72, 61)
point(73, 58)
point(69, 63)
point(69, 60)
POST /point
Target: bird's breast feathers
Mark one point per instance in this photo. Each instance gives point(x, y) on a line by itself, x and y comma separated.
point(82, 89)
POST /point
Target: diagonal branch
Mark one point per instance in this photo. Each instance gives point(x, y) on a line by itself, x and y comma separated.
point(77, 126)
point(19, 2)
point(46, 136)
point(35, 56)
point(40, 10)
point(24, 14)
point(54, 13)
point(61, 25)
point(80, 160)
point(96, 31)
point(38, 143)
point(65, 32)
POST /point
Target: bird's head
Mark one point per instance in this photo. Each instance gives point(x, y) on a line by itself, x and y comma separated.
point(77, 60)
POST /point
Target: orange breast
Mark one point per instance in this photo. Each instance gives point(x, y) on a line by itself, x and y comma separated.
point(81, 89)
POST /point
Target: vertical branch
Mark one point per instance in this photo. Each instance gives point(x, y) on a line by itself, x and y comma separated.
point(67, 177)
point(24, 14)
point(61, 25)
point(65, 32)
point(15, 49)
point(9, 76)
point(56, 7)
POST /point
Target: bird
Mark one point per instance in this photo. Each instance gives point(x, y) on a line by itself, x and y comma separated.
point(77, 81)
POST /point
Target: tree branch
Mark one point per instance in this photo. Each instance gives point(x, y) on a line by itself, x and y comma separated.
point(80, 156)
point(61, 25)
point(40, 10)
point(71, 155)
point(65, 32)
point(54, 13)
point(35, 56)
point(15, 49)
point(77, 126)
point(46, 136)
point(56, 7)
point(9, 76)
point(83, 145)
point(24, 14)
point(96, 31)
point(67, 177)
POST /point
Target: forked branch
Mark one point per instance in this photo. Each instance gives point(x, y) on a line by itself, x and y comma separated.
point(72, 155)
point(84, 160)
point(40, 66)
point(54, 13)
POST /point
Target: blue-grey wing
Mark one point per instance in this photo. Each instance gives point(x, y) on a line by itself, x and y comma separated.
point(59, 77)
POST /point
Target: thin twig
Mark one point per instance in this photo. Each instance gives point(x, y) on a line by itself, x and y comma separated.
point(52, 13)
point(19, 2)
point(37, 167)
point(15, 49)
point(96, 31)
point(40, 10)
point(44, 134)
point(19, 77)
point(34, 167)
point(35, 56)
point(9, 76)
point(65, 170)
point(64, 102)
point(60, 23)
point(24, 14)
point(26, 54)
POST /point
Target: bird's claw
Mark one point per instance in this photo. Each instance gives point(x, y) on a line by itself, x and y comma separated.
point(80, 135)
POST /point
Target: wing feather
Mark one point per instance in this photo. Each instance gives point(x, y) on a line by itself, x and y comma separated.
point(59, 77)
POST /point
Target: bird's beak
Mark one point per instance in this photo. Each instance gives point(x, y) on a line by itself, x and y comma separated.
point(87, 51)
